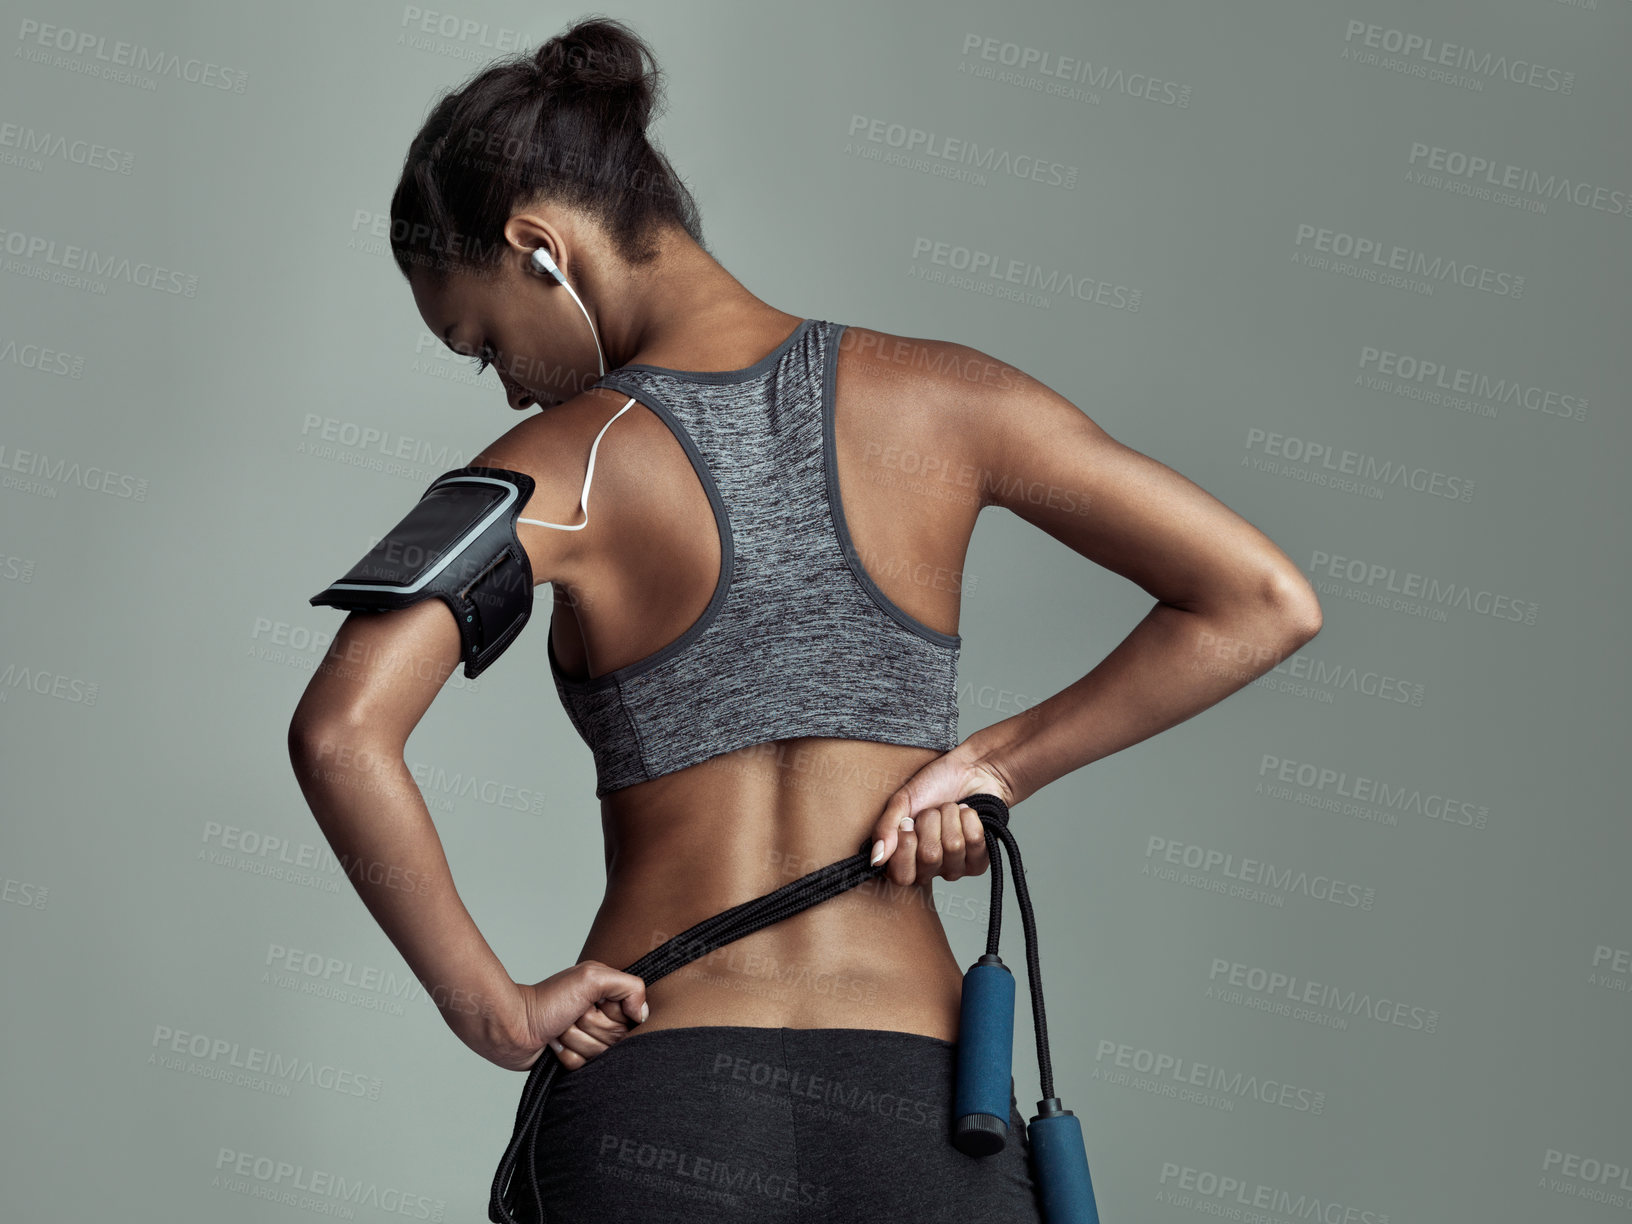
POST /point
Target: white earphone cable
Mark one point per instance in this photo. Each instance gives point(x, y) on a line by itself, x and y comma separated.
point(599, 356)
point(583, 498)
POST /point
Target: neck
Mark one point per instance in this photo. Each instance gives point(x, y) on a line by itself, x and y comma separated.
point(675, 303)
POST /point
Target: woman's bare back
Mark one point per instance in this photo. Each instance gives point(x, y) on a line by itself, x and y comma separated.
point(689, 844)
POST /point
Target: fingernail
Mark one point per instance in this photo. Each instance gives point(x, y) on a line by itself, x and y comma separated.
point(907, 825)
point(878, 852)
point(556, 1045)
point(645, 1010)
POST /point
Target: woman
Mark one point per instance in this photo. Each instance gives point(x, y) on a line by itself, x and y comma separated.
point(755, 631)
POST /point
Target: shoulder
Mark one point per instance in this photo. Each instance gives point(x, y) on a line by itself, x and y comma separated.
point(535, 443)
point(979, 404)
point(552, 446)
point(941, 373)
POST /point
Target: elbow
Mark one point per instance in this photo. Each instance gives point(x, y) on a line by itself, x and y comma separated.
point(318, 746)
point(307, 734)
point(306, 742)
point(302, 740)
point(1295, 604)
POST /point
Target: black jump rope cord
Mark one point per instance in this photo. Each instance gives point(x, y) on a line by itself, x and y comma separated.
point(753, 915)
point(1028, 923)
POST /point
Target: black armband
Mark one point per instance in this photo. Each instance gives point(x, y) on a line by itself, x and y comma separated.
point(458, 544)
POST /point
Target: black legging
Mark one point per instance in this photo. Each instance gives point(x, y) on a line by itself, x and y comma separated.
point(737, 1123)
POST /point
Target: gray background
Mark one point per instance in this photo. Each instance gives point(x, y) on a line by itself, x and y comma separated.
point(170, 501)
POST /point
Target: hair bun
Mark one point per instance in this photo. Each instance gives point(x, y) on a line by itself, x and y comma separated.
point(593, 57)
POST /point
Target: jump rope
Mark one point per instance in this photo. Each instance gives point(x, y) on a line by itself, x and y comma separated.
point(985, 1045)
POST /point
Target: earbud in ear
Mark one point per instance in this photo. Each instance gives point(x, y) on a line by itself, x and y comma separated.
point(543, 262)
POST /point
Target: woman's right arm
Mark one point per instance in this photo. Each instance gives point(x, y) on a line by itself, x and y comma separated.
point(1230, 604)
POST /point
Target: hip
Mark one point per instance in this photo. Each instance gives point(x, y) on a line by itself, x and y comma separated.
point(772, 1122)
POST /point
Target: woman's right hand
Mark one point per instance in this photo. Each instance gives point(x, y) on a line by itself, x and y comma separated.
point(580, 1012)
point(924, 832)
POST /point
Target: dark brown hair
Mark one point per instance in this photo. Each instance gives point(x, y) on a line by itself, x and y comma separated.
point(565, 124)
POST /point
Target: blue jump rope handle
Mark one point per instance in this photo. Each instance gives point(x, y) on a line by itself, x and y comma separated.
point(1061, 1162)
point(985, 1069)
point(985, 1059)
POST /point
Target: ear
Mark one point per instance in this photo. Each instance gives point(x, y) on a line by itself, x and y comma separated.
point(526, 232)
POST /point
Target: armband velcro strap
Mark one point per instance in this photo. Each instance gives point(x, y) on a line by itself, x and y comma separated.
point(458, 544)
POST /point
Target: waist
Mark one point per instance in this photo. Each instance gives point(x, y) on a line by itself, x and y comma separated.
point(875, 956)
point(689, 845)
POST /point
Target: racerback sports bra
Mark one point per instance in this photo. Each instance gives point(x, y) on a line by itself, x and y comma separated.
point(797, 639)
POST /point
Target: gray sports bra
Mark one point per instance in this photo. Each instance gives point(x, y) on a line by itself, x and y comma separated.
point(797, 638)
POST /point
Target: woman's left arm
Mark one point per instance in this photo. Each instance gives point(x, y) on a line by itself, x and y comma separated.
point(346, 743)
point(348, 734)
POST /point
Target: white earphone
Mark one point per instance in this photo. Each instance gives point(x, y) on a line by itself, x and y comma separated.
point(543, 262)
